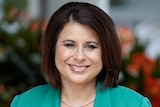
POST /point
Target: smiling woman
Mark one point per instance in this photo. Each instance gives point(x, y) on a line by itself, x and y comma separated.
point(81, 57)
point(81, 60)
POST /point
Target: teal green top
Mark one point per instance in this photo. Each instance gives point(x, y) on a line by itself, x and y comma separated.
point(47, 96)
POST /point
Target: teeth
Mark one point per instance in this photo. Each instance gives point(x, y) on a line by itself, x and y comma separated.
point(78, 69)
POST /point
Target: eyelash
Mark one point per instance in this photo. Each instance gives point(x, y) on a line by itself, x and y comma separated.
point(69, 45)
point(89, 47)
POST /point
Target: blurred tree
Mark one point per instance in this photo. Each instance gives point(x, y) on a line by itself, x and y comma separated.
point(19, 51)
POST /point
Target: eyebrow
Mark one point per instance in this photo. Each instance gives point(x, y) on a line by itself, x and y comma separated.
point(86, 42)
point(68, 41)
point(93, 42)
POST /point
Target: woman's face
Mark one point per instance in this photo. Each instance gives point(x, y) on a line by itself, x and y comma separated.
point(78, 55)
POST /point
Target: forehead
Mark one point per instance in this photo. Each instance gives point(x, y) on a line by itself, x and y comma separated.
point(75, 29)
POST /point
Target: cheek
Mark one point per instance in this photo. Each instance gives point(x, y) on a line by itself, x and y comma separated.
point(96, 57)
point(59, 59)
point(61, 54)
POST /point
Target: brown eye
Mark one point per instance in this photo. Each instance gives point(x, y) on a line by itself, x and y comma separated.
point(69, 45)
point(91, 47)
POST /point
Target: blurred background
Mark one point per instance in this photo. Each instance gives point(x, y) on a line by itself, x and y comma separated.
point(23, 22)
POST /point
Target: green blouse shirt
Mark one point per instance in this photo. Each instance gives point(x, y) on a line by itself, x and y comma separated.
point(47, 96)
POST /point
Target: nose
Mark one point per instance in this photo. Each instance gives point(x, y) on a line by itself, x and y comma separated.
point(79, 54)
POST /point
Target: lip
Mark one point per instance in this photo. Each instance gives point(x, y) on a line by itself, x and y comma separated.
point(78, 68)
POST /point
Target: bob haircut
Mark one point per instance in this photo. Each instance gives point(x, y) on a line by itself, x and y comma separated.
point(95, 18)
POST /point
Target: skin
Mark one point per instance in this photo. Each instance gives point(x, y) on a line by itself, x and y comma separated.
point(78, 58)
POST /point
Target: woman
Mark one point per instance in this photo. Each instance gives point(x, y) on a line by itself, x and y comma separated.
point(81, 57)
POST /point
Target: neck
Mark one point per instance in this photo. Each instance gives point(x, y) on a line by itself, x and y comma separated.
point(78, 94)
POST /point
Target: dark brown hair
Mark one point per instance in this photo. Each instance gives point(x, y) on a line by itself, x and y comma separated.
point(92, 16)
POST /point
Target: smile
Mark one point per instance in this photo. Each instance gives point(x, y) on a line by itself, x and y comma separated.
point(78, 68)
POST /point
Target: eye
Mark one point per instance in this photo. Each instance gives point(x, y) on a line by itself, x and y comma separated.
point(69, 45)
point(91, 47)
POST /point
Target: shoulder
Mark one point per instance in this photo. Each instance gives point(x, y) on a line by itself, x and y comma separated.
point(121, 90)
point(38, 91)
point(129, 97)
point(124, 97)
point(34, 96)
